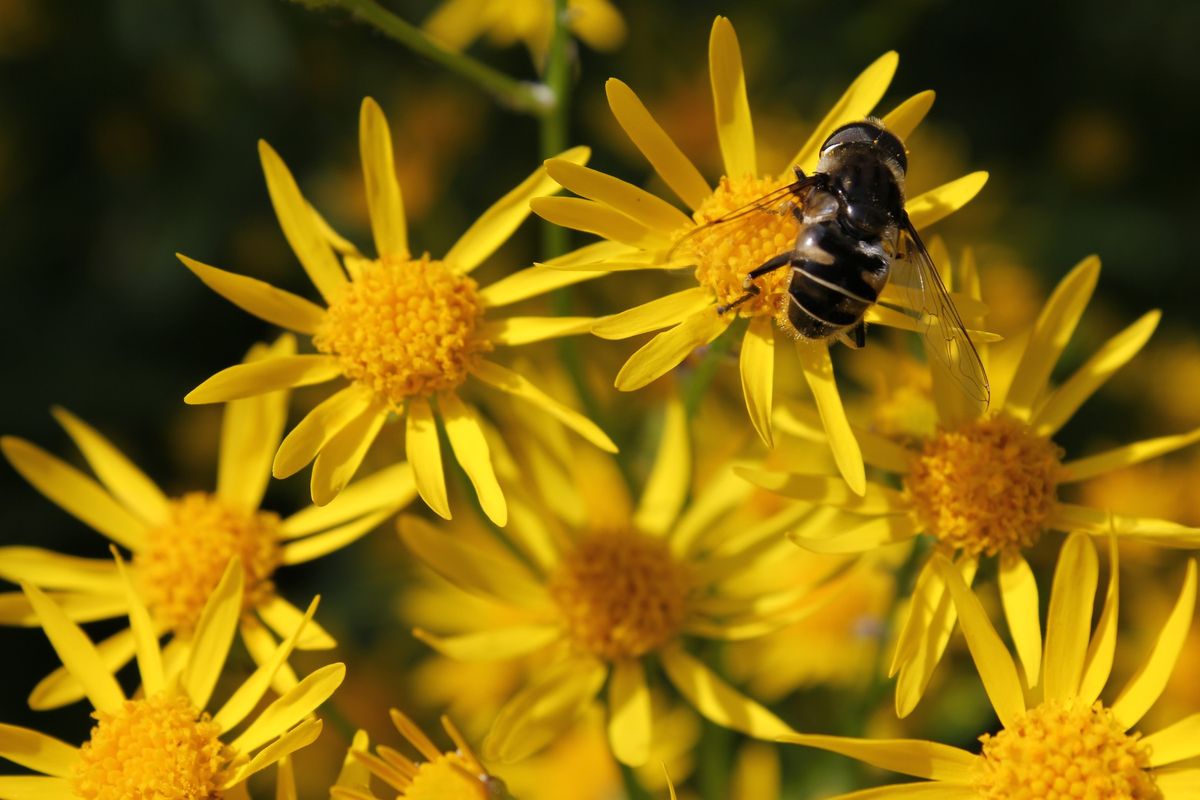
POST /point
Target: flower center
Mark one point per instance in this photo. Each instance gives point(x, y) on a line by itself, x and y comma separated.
point(621, 594)
point(449, 777)
point(405, 328)
point(985, 487)
point(726, 253)
point(185, 557)
point(154, 747)
point(1063, 750)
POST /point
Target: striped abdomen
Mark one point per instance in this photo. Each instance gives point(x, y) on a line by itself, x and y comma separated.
point(835, 279)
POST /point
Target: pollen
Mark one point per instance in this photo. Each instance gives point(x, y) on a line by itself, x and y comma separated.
point(725, 254)
point(185, 557)
point(157, 747)
point(1063, 750)
point(405, 329)
point(621, 594)
point(985, 487)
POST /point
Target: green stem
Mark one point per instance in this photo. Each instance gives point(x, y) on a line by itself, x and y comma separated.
point(530, 98)
point(556, 121)
point(696, 384)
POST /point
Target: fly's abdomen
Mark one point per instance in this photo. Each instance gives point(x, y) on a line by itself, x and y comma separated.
point(835, 279)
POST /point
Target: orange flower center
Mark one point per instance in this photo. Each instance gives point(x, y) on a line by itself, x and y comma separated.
point(405, 328)
point(1065, 750)
point(156, 747)
point(621, 594)
point(988, 486)
point(185, 557)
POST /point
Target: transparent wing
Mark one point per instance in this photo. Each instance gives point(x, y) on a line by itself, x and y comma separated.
point(946, 337)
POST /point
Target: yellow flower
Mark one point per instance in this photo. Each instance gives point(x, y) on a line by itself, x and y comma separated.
point(405, 332)
point(609, 589)
point(163, 742)
point(454, 775)
point(457, 23)
point(1061, 741)
point(182, 545)
point(986, 483)
point(651, 228)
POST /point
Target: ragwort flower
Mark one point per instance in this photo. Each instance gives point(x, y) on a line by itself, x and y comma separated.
point(163, 742)
point(457, 23)
point(181, 545)
point(654, 231)
point(607, 590)
point(405, 332)
point(1061, 741)
point(985, 483)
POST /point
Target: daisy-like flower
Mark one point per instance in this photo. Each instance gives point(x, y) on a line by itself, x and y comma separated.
point(457, 774)
point(162, 742)
point(1062, 740)
point(405, 333)
point(986, 483)
point(609, 590)
point(661, 236)
point(457, 23)
point(181, 545)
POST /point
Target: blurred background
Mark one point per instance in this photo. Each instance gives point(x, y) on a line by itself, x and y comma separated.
point(128, 131)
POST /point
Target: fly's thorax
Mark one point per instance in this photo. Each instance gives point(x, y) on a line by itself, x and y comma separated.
point(869, 186)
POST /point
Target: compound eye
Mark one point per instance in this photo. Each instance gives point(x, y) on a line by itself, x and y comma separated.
point(863, 132)
point(890, 144)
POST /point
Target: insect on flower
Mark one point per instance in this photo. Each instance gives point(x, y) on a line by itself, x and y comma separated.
point(853, 229)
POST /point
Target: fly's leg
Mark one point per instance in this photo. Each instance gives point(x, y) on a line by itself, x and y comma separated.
point(751, 290)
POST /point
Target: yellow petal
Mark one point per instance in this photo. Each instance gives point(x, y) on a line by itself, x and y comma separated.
point(517, 385)
point(756, 772)
point(62, 687)
point(342, 455)
point(74, 492)
point(1098, 663)
point(676, 170)
point(1177, 784)
point(919, 790)
point(353, 773)
point(526, 330)
point(904, 118)
point(500, 644)
point(591, 217)
point(720, 493)
point(629, 718)
point(916, 757)
point(735, 131)
point(77, 653)
point(1177, 742)
point(1019, 596)
point(668, 349)
point(284, 618)
point(473, 455)
point(120, 476)
point(553, 274)
point(78, 606)
point(635, 203)
point(992, 661)
point(657, 314)
point(285, 781)
point(268, 375)
point(145, 635)
point(827, 490)
point(260, 298)
point(1069, 620)
point(543, 710)
point(330, 541)
point(261, 643)
point(1062, 403)
point(1147, 684)
point(250, 431)
point(36, 787)
point(49, 570)
point(878, 451)
point(289, 709)
point(384, 200)
point(717, 700)
point(1085, 468)
point(757, 365)
point(857, 102)
point(392, 487)
point(1050, 335)
point(425, 456)
point(299, 227)
point(497, 224)
point(320, 425)
point(37, 751)
point(300, 736)
point(666, 487)
point(210, 643)
point(939, 203)
point(1068, 517)
point(818, 372)
point(863, 538)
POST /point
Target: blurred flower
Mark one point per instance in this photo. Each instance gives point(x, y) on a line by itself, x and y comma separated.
point(1069, 743)
point(986, 483)
point(608, 590)
point(163, 743)
point(663, 237)
point(181, 546)
point(402, 331)
point(457, 23)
